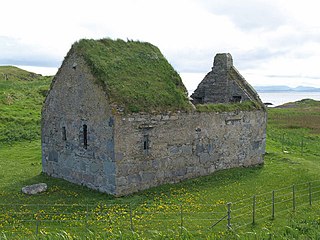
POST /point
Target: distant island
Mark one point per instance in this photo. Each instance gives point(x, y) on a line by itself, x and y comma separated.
point(285, 89)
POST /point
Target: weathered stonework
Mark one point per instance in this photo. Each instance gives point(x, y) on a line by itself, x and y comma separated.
point(185, 145)
point(74, 101)
point(87, 141)
point(224, 84)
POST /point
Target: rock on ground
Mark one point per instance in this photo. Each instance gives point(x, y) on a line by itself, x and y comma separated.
point(34, 189)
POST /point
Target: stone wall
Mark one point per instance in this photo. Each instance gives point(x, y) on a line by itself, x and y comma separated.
point(223, 84)
point(86, 141)
point(184, 145)
point(76, 101)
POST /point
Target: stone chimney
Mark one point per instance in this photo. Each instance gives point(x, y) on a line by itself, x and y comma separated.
point(224, 84)
point(215, 87)
point(223, 60)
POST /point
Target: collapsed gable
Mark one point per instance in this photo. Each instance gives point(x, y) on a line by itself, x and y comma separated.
point(224, 84)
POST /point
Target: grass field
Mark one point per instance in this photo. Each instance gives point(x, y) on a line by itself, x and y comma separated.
point(186, 210)
point(21, 97)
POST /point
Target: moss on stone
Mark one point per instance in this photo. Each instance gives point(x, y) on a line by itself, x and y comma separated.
point(136, 76)
point(228, 107)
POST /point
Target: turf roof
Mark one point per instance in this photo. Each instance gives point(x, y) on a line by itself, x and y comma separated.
point(135, 75)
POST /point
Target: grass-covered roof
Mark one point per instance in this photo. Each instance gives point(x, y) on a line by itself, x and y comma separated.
point(135, 75)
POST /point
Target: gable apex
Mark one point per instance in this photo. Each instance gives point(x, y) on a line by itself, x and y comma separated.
point(224, 84)
point(135, 75)
point(223, 60)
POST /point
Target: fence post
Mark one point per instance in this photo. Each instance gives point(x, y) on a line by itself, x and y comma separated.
point(273, 205)
point(37, 220)
point(282, 142)
point(37, 227)
point(254, 209)
point(302, 146)
point(293, 198)
point(181, 219)
point(131, 221)
point(87, 212)
point(229, 215)
point(310, 194)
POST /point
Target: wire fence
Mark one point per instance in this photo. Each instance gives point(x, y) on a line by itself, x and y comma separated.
point(198, 219)
point(277, 203)
point(291, 142)
point(146, 219)
point(35, 218)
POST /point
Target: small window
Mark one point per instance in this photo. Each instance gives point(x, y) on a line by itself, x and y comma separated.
point(199, 100)
point(146, 143)
point(85, 136)
point(64, 134)
point(236, 99)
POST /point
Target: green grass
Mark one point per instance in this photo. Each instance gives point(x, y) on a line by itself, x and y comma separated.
point(202, 194)
point(135, 74)
point(13, 74)
point(69, 211)
point(220, 107)
point(21, 97)
point(198, 197)
point(303, 115)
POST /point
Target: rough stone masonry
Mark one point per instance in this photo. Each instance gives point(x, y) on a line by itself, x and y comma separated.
point(85, 140)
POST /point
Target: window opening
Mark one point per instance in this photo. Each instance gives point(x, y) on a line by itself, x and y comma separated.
point(64, 134)
point(236, 99)
point(146, 143)
point(85, 136)
point(199, 100)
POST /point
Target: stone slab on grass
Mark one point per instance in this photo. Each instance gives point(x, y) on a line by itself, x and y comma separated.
point(34, 189)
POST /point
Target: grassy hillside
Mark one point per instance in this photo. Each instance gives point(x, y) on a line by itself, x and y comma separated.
point(186, 210)
point(303, 115)
point(11, 73)
point(21, 97)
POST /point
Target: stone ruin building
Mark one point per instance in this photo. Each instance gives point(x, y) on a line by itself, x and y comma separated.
point(117, 119)
point(224, 84)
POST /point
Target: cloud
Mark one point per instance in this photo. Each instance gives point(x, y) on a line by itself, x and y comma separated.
point(256, 57)
point(16, 52)
point(293, 76)
point(274, 37)
point(249, 14)
point(192, 60)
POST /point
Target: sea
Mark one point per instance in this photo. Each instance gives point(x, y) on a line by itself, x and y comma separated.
point(278, 97)
point(191, 81)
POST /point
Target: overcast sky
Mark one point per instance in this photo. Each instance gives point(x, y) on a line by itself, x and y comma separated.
point(273, 42)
